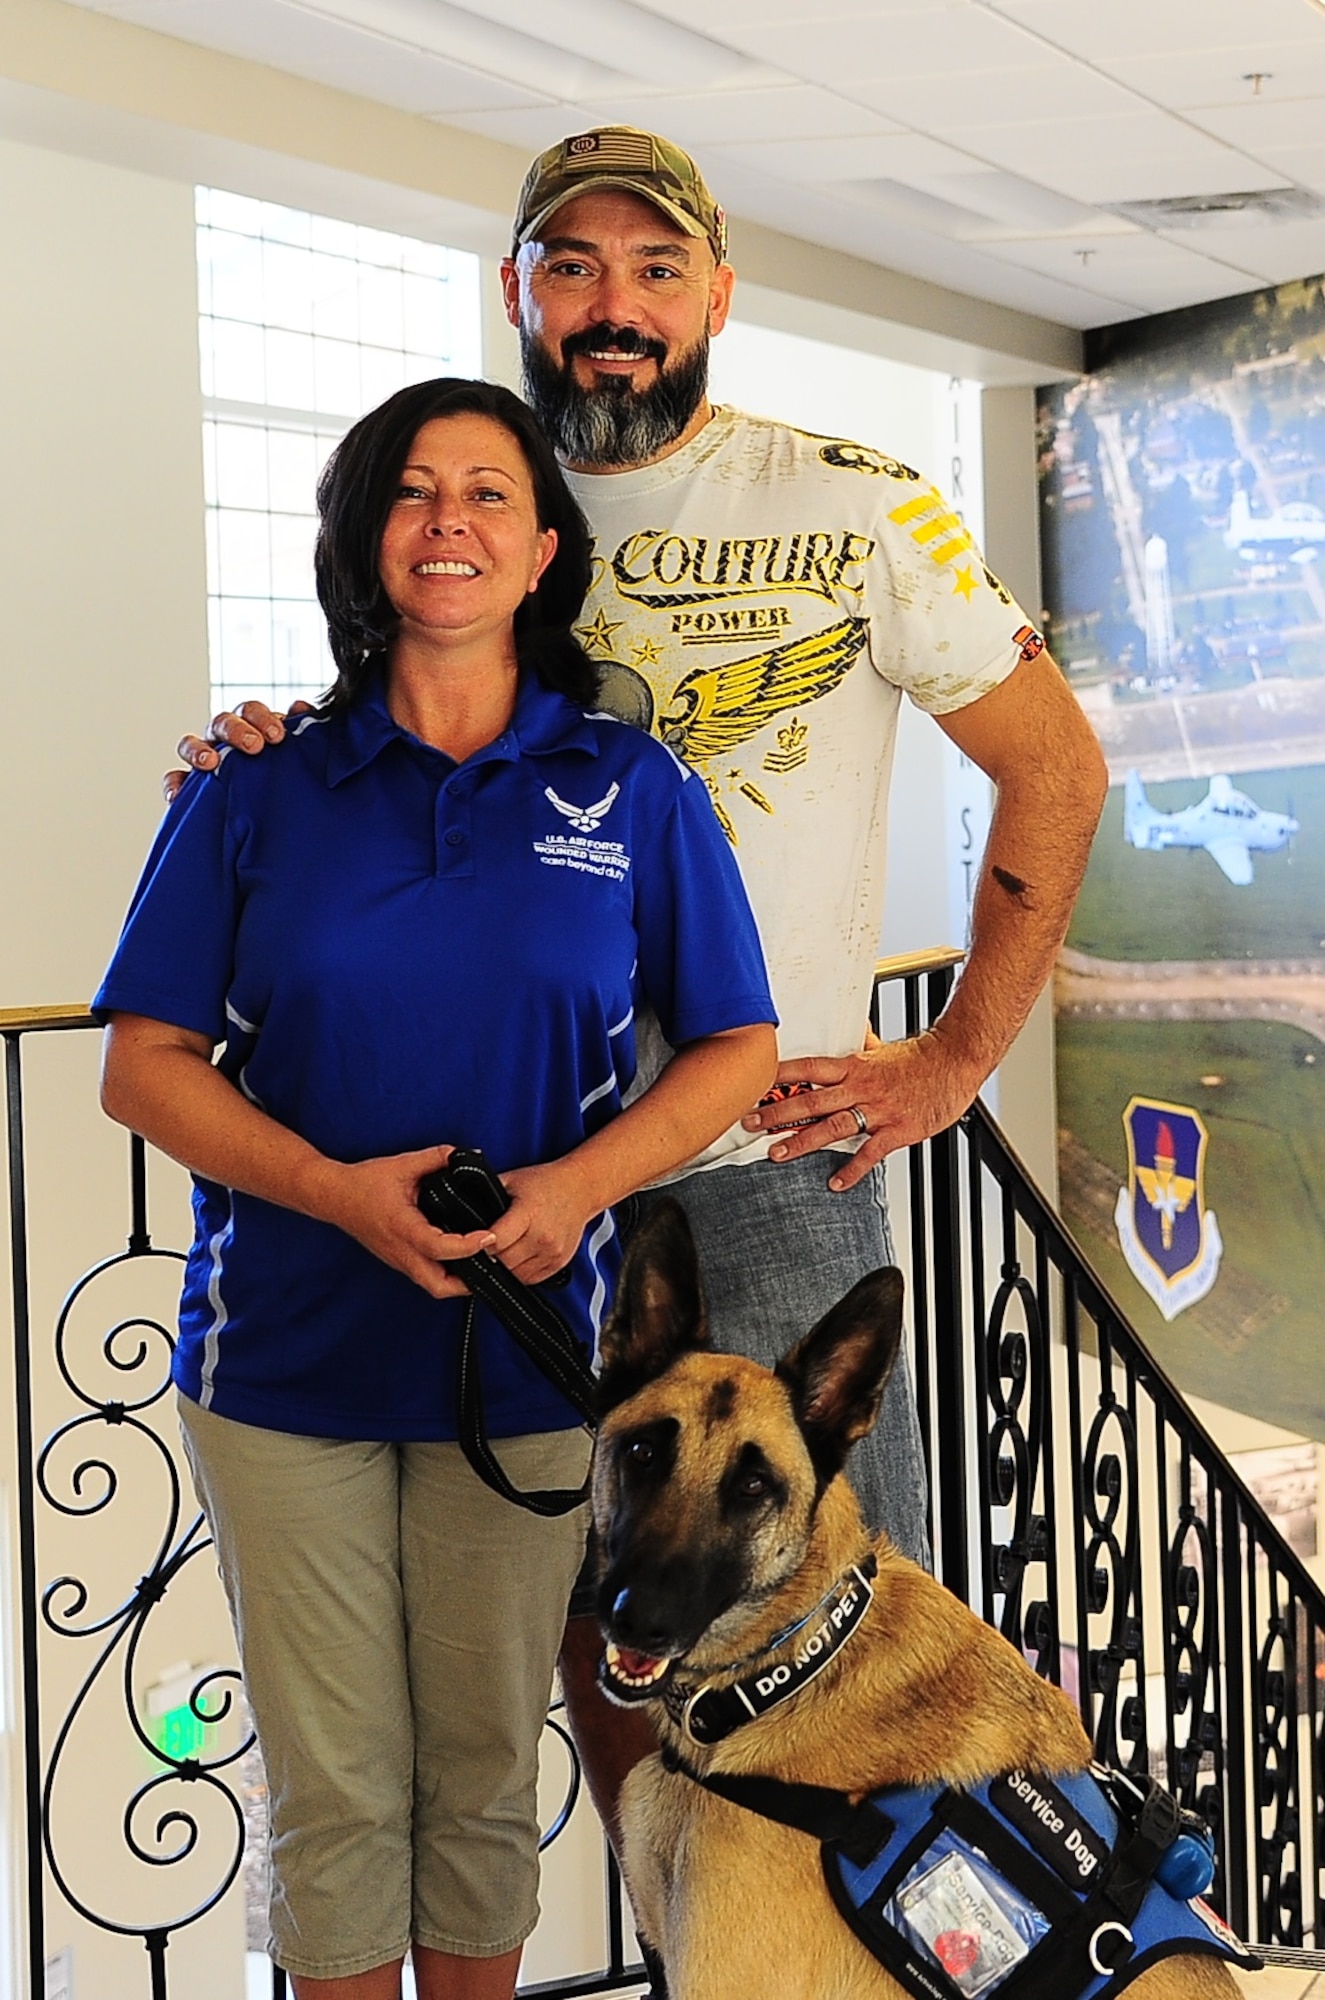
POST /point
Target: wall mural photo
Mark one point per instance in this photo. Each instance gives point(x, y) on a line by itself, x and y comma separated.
point(1183, 526)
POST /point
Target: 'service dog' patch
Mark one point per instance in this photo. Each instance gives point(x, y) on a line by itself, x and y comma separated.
point(1053, 1826)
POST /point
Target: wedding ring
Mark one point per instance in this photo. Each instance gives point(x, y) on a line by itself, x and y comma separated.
point(861, 1125)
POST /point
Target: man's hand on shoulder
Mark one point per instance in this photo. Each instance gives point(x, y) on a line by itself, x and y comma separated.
point(250, 728)
point(904, 1091)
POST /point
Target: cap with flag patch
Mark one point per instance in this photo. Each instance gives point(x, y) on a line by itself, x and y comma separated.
point(620, 156)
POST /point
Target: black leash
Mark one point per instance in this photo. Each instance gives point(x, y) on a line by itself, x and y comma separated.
point(462, 1196)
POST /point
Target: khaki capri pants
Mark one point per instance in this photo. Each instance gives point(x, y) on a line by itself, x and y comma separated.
point(398, 1626)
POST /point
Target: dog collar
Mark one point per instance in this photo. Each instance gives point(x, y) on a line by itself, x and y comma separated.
point(706, 1714)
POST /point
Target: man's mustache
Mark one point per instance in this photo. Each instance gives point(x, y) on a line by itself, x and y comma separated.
point(618, 339)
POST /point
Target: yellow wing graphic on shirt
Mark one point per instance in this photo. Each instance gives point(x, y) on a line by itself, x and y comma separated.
point(716, 708)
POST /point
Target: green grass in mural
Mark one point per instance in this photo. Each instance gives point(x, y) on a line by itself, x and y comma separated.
point(1177, 904)
point(1255, 1343)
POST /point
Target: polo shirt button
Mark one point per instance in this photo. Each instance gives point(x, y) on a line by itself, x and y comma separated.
point(454, 838)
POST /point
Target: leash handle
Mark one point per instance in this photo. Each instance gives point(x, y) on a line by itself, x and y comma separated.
point(463, 1195)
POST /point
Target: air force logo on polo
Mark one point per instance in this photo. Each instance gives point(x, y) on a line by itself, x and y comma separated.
point(606, 858)
point(585, 819)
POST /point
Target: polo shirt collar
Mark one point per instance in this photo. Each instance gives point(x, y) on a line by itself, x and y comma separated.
point(544, 723)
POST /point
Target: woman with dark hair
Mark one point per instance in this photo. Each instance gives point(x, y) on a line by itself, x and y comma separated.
point(356, 494)
point(430, 917)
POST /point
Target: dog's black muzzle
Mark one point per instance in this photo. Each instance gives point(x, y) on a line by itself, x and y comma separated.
point(652, 1611)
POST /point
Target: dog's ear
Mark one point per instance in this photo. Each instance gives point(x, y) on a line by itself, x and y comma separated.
point(837, 1373)
point(658, 1311)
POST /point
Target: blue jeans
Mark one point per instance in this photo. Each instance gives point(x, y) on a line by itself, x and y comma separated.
point(776, 1252)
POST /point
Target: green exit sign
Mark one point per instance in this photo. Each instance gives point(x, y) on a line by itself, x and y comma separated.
point(179, 1734)
point(173, 1722)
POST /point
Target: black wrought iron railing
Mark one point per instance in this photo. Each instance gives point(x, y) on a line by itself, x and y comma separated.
point(1075, 1502)
point(186, 1817)
point(1081, 1508)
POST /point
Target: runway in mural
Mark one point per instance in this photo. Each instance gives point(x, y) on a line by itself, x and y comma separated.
point(1183, 511)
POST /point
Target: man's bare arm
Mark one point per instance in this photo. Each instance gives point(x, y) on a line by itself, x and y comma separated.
point(1030, 736)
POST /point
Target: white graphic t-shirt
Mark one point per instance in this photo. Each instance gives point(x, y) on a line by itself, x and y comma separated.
point(761, 600)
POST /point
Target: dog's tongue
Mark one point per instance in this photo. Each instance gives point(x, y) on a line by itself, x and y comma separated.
point(637, 1665)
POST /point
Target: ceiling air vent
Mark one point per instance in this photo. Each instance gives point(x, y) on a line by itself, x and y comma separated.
point(1223, 211)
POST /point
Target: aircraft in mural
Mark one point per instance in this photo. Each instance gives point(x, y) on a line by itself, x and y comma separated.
point(1226, 823)
point(1293, 533)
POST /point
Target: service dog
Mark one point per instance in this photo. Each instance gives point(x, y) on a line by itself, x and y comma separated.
point(725, 1530)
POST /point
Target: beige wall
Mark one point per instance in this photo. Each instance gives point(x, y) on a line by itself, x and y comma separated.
point(102, 581)
point(101, 549)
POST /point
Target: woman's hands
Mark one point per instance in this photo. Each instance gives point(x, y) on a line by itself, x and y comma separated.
point(376, 1202)
point(541, 1230)
point(159, 1080)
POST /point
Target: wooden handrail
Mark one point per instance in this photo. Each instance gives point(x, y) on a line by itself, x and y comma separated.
point(915, 964)
point(17, 1019)
point(906, 965)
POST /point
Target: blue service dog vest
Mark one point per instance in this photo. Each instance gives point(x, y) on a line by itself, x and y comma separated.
point(1023, 1888)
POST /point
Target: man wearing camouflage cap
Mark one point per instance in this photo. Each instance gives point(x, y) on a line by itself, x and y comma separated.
point(762, 599)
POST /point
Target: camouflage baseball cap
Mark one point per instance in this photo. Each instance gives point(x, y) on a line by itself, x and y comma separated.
point(620, 156)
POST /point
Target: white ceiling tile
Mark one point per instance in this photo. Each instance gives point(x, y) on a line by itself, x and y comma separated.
point(845, 52)
point(891, 157)
point(1021, 207)
point(795, 32)
point(813, 215)
point(1265, 129)
point(715, 17)
point(638, 42)
point(1118, 264)
point(1035, 294)
point(407, 79)
point(1099, 28)
point(1209, 76)
point(1144, 155)
point(328, 51)
point(1276, 252)
point(729, 117)
point(1160, 291)
point(320, 41)
point(1169, 178)
point(1155, 287)
point(1304, 164)
point(947, 104)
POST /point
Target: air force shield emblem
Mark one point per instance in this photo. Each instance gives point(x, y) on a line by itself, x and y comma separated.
point(1169, 1237)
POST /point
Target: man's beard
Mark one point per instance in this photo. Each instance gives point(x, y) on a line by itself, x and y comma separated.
point(613, 423)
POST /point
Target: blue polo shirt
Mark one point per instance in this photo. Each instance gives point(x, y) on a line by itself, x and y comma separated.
point(397, 951)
